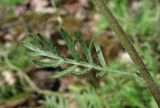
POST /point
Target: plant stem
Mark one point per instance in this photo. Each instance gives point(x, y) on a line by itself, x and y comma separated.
point(127, 44)
point(101, 69)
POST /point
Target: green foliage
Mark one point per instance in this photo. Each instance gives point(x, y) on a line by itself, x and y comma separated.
point(88, 99)
point(13, 92)
point(117, 92)
point(130, 93)
point(99, 54)
point(65, 72)
point(47, 43)
point(37, 45)
point(70, 43)
point(18, 57)
point(84, 71)
point(52, 64)
point(11, 3)
point(55, 102)
point(82, 99)
point(144, 19)
point(86, 50)
point(151, 62)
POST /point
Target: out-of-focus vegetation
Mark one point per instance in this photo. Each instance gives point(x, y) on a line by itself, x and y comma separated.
point(12, 3)
point(19, 76)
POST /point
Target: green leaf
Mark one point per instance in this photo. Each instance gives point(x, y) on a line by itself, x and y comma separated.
point(38, 52)
point(30, 46)
point(88, 99)
point(81, 72)
point(63, 73)
point(58, 101)
point(53, 64)
point(100, 74)
point(91, 45)
point(84, 47)
point(46, 42)
point(35, 41)
point(100, 54)
point(70, 43)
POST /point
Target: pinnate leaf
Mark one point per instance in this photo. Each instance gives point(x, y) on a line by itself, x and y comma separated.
point(63, 73)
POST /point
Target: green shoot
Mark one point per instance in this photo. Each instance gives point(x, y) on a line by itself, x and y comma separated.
point(76, 65)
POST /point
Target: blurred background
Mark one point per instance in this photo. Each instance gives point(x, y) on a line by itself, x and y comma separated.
point(25, 85)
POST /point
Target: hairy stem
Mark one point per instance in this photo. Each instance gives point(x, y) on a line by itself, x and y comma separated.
point(127, 44)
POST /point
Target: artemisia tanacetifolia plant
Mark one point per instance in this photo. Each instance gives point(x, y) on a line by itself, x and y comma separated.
point(38, 43)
